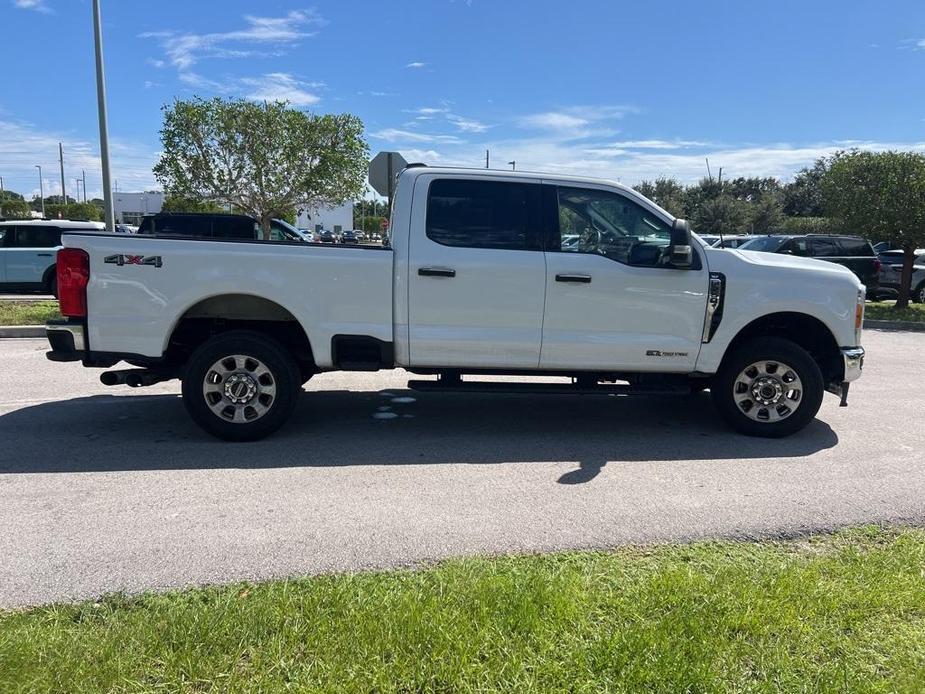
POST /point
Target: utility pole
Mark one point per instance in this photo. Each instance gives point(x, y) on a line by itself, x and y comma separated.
point(486, 158)
point(709, 175)
point(61, 161)
point(2, 195)
point(41, 189)
point(84, 177)
point(104, 126)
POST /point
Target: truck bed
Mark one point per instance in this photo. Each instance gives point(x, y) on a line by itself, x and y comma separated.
point(141, 286)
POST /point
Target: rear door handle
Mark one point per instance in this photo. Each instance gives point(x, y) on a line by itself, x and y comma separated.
point(44, 255)
point(436, 272)
point(581, 279)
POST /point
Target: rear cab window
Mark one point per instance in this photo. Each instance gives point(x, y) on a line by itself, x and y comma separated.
point(484, 214)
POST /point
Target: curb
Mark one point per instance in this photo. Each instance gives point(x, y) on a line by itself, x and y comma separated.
point(895, 325)
point(22, 331)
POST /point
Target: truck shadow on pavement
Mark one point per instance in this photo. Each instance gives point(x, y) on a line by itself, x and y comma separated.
point(394, 427)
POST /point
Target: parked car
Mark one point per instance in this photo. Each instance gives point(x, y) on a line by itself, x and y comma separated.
point(326, 236)
point(215, 226)
point(732, 240)
point(852, 252)
point(28, 250)
point(474, 284)
point(891, 275)
point(349, 236)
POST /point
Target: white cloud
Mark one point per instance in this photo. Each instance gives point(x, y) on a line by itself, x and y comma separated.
point(396, 135)
point(281, 86)
point(637, 160)
point(416, 65)
point(577, 122)
point(467, 125)
point(183, 50)
point(22, 146)
point(37, 5)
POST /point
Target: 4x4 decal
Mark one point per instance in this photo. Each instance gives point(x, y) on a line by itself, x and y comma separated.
point(124, 259)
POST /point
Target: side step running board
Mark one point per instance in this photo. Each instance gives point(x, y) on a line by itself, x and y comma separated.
point(546, 388)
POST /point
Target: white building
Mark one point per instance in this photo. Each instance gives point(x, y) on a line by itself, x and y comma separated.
point(129, 208)
point(334, 219)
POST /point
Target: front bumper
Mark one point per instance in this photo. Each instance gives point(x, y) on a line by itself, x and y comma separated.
point(854, 362)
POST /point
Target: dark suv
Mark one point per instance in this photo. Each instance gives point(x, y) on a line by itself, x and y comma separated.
point(853, 252)
point(214, 226)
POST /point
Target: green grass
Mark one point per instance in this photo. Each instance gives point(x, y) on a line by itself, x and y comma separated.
point(27, 312)
point(835, 613)
point(883, 310)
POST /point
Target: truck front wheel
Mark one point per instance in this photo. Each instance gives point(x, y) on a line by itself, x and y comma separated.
point(768, 387)
point(241, 385)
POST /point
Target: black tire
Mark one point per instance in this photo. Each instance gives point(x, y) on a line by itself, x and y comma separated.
point(771, 349)
point(52, 285)
point(918, 294)
point(284, 377)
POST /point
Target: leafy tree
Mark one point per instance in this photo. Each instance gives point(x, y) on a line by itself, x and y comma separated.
point(880, 196)
point(15, 208)
point(36, 202)
point(720, 215)
point(767, 214)
point(76, 210)
point(809, 225)
point(180, 203)
point(263, 159)
point(751, 189)
point(665, 192)
point(707, 189)
point(803, 196)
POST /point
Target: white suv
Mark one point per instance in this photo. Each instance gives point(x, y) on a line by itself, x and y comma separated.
point(28, 249)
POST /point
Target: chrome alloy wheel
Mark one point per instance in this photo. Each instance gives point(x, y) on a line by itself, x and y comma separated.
point(239, 389)
point(767, 391)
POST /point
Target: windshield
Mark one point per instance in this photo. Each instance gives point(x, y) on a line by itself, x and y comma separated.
point(769, 244)
point(283, 231)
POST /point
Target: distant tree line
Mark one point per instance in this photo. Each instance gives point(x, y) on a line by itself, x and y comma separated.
point(746, 205)
point(14, 206)
point(879, 196)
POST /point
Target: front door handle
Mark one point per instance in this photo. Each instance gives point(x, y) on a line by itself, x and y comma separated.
point(436, 272)
point(581, 279)
point(44, 255)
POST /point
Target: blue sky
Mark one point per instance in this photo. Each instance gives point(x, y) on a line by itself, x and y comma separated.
point(625, 90)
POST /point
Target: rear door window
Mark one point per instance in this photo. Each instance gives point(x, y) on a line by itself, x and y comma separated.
point(484, 214)
point(855, 247)
point(825, 248)
point(200, 227)
point(36, 237)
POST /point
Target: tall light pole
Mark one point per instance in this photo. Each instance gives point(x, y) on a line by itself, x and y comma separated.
point(104, 125)
point(61, 162)
point(1, 197)
point(41, 189)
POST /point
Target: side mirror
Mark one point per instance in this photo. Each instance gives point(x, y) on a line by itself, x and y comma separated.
point(680, 252)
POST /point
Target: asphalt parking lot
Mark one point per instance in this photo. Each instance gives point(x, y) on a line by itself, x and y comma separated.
point(105, 489)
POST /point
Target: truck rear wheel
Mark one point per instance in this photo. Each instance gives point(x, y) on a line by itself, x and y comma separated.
point(768, 387)
point(241, 385)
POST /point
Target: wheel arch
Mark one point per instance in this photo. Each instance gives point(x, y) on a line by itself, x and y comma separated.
point(220, 313)
point(805, 330)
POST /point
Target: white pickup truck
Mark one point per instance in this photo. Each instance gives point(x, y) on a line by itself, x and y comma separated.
point(489, 272)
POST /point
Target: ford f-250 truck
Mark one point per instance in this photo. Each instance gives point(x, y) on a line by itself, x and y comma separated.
point(488, 272)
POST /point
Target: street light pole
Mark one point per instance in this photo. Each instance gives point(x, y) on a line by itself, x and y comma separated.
point(104, 125)
point(41, 190)
point(61, 162)
point(1, 197)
